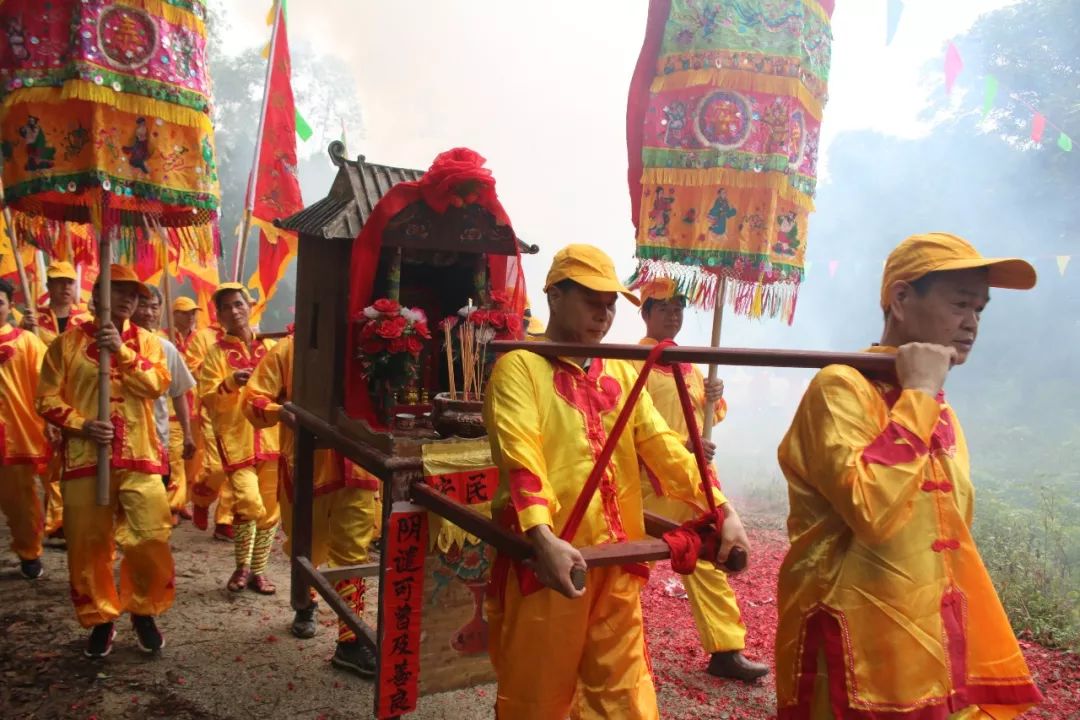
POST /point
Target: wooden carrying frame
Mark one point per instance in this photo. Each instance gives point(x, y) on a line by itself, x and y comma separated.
point(401, 475)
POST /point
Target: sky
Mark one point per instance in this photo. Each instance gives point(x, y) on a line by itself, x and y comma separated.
point(540, 90)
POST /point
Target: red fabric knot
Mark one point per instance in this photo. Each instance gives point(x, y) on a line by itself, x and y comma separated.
point(931, 486)
point(945, 544)
point(686, 543)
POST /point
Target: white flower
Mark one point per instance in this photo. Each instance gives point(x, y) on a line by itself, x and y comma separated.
point(371, 313)
point(467, 310)
point(413, 315)
point(485, 335)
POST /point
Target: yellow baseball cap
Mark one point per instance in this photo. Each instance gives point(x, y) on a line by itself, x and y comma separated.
point(124, 274)
point(230, 287)
point(61, 270)
point(661, 289)
point(921, 255)
point(587, 266)
point(184, 304)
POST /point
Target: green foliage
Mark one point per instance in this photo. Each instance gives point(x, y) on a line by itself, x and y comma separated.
point(1033, 555)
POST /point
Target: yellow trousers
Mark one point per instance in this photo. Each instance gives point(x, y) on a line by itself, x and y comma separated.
point(178, 485)
point(137, 520)
point(712, 601)
point(22, 508)
point(210, 482)
point(585, 658)
point(255, 490)
point(54, 502)
point(343, 526)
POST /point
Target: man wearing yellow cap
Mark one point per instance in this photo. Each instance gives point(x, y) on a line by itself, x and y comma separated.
point(23, 448)
point(174, 429)
point(344, 511)
point(181, 332)
point(137, 516)
point(560, 651)
point(885, 607)
point(209, 476)
point(249, 455)
point(47, 323)
point(712, 601)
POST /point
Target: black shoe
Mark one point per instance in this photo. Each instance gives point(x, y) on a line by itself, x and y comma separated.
point(100, 643)
point(356, 657)
point(733, 665)
point(32, 569)
point(150, 638)
point(303, 624)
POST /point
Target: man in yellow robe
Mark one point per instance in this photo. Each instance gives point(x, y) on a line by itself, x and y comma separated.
point(24, 451)
point(209, 482)
point(248, 455)
point(137, 516)
point(885, 607)
point(712, 601)
point(47, 323)
point(560, 651)
point(183, 331)
point(344, 509)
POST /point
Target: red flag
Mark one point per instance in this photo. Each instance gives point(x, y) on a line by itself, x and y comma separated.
point(1038, 125)
point(277, 189)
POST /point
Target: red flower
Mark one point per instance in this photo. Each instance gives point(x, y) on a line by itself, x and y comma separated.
point(374, 346)
point(497, 319)
point(397, 345)
point(391, 327)
point(448, 322)
point(479, 317)
point(387, 306)
point(500, 297)
point(367, 330)
point(421, 329)
point(414, 344)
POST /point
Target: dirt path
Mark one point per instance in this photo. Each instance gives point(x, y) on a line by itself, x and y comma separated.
point(231, 656)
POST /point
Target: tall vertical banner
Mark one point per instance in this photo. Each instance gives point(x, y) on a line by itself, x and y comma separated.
point(276, 192)
point(401, 596)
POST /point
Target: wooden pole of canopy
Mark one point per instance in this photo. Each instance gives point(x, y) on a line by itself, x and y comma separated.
point(103, 311)
point(714, 340)
point(874, 364)
point(31, 302)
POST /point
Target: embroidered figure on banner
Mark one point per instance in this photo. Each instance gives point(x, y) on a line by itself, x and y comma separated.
point(660, 215)
point(675, 122)
point(39, 154)
point(721, 212)
point(787, 235)
point(16, 39)
point(138, 151)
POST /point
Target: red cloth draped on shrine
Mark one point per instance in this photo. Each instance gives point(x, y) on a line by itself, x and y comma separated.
point(456, 177)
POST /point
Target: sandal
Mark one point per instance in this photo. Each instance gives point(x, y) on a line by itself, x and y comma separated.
point(262, 585)
point(240, 579)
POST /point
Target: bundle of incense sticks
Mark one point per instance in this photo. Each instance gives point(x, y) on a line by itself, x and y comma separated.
point(450, 357)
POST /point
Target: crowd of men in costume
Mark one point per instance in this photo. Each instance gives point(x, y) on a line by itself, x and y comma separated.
point(885, 608)
point(195, 417)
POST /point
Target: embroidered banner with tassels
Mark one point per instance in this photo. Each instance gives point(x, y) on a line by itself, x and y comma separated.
point(107, 117)
point(723, 125)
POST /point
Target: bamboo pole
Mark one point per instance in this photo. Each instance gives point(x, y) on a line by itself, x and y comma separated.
point(31, 303)
point(249, 205)
point(103, 310)
point(714, 341)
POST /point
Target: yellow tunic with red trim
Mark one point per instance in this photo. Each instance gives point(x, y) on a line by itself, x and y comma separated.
point(270, 386)
point(883, 586)
point(547, 423)
point(67, 397)
point(48, 325)
point(240, 443)
point(198, 344)
point(22, 430)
